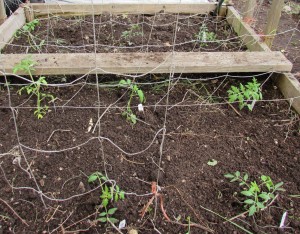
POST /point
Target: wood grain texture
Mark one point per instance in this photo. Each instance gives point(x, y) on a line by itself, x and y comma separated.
point(290, 88)
point(2, 12)
point(10, 26)
point(273, 19)
point(141, 8)
point(28, 12)
point(140, 63)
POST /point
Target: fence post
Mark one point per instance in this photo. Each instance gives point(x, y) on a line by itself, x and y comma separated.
point(273, 19)
point(2, 12)
point(28, 12)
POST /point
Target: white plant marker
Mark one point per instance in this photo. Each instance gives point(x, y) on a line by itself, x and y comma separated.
point(90, 125)
point(141, 107)
point(283, 220)
point(122, 224)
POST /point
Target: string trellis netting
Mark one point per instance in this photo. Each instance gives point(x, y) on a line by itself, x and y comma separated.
point(126, 121)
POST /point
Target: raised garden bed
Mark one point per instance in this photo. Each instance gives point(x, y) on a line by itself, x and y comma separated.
point(61, 153)
point(186, 138)
point(128, 33)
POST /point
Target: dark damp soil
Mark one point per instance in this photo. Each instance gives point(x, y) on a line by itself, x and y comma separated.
point(61, 152)
point(128, 33)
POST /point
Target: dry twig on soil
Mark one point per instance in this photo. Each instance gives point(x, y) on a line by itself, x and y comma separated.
point(15, 213)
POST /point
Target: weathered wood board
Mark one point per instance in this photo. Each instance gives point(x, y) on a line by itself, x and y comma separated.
point(140, 63)
point(142, 8)
point(10, 26)
point(247, 34)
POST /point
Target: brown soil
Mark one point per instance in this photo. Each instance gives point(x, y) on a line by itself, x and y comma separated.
point(199, 128)
point(153, 34)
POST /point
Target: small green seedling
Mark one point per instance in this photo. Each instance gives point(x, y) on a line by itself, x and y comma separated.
point(205, 36)
point(35, 88)
point(26, 30)
point(188, 219)
point(134, 91)
point(133, 31)
point(257, 196)
point(246, 95)
point(212, 162)
point(109, 194)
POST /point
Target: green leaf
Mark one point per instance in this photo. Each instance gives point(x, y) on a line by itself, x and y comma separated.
point(264, 178)
point(113, 220)
point(264, 196)
point(237, 174)
point(112, 211)
point(212, 162)
point(254, 187)
point(232, 98)
point(135, 88)
point(141, 95)
point(123, 83)
point(246, 177)
point(249, 201)
point(116, 197)
point(102, 214)
point(235, 89)
point(234, 179)
point(92, 178)
point(260, 205)
point(252, 210)
point(103, 219)
point(276, 187)
point(247, 193)
point(229, 176)
point(122, 195)
point(133, 118)
point(104, 202)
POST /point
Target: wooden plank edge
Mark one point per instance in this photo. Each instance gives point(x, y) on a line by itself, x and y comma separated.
point(3, 15)
point(248, 35)
point(10, 26)
point(290, 88)
point(42, 9)
point(141, 63)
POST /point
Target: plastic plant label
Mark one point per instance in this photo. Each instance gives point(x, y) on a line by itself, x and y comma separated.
point(141, 107)
point(122, 224)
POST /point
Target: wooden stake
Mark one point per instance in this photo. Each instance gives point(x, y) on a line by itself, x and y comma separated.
point(273, 21)
point(28, 12)
point(2, 12)
point(222, 13)
point(249, 8)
